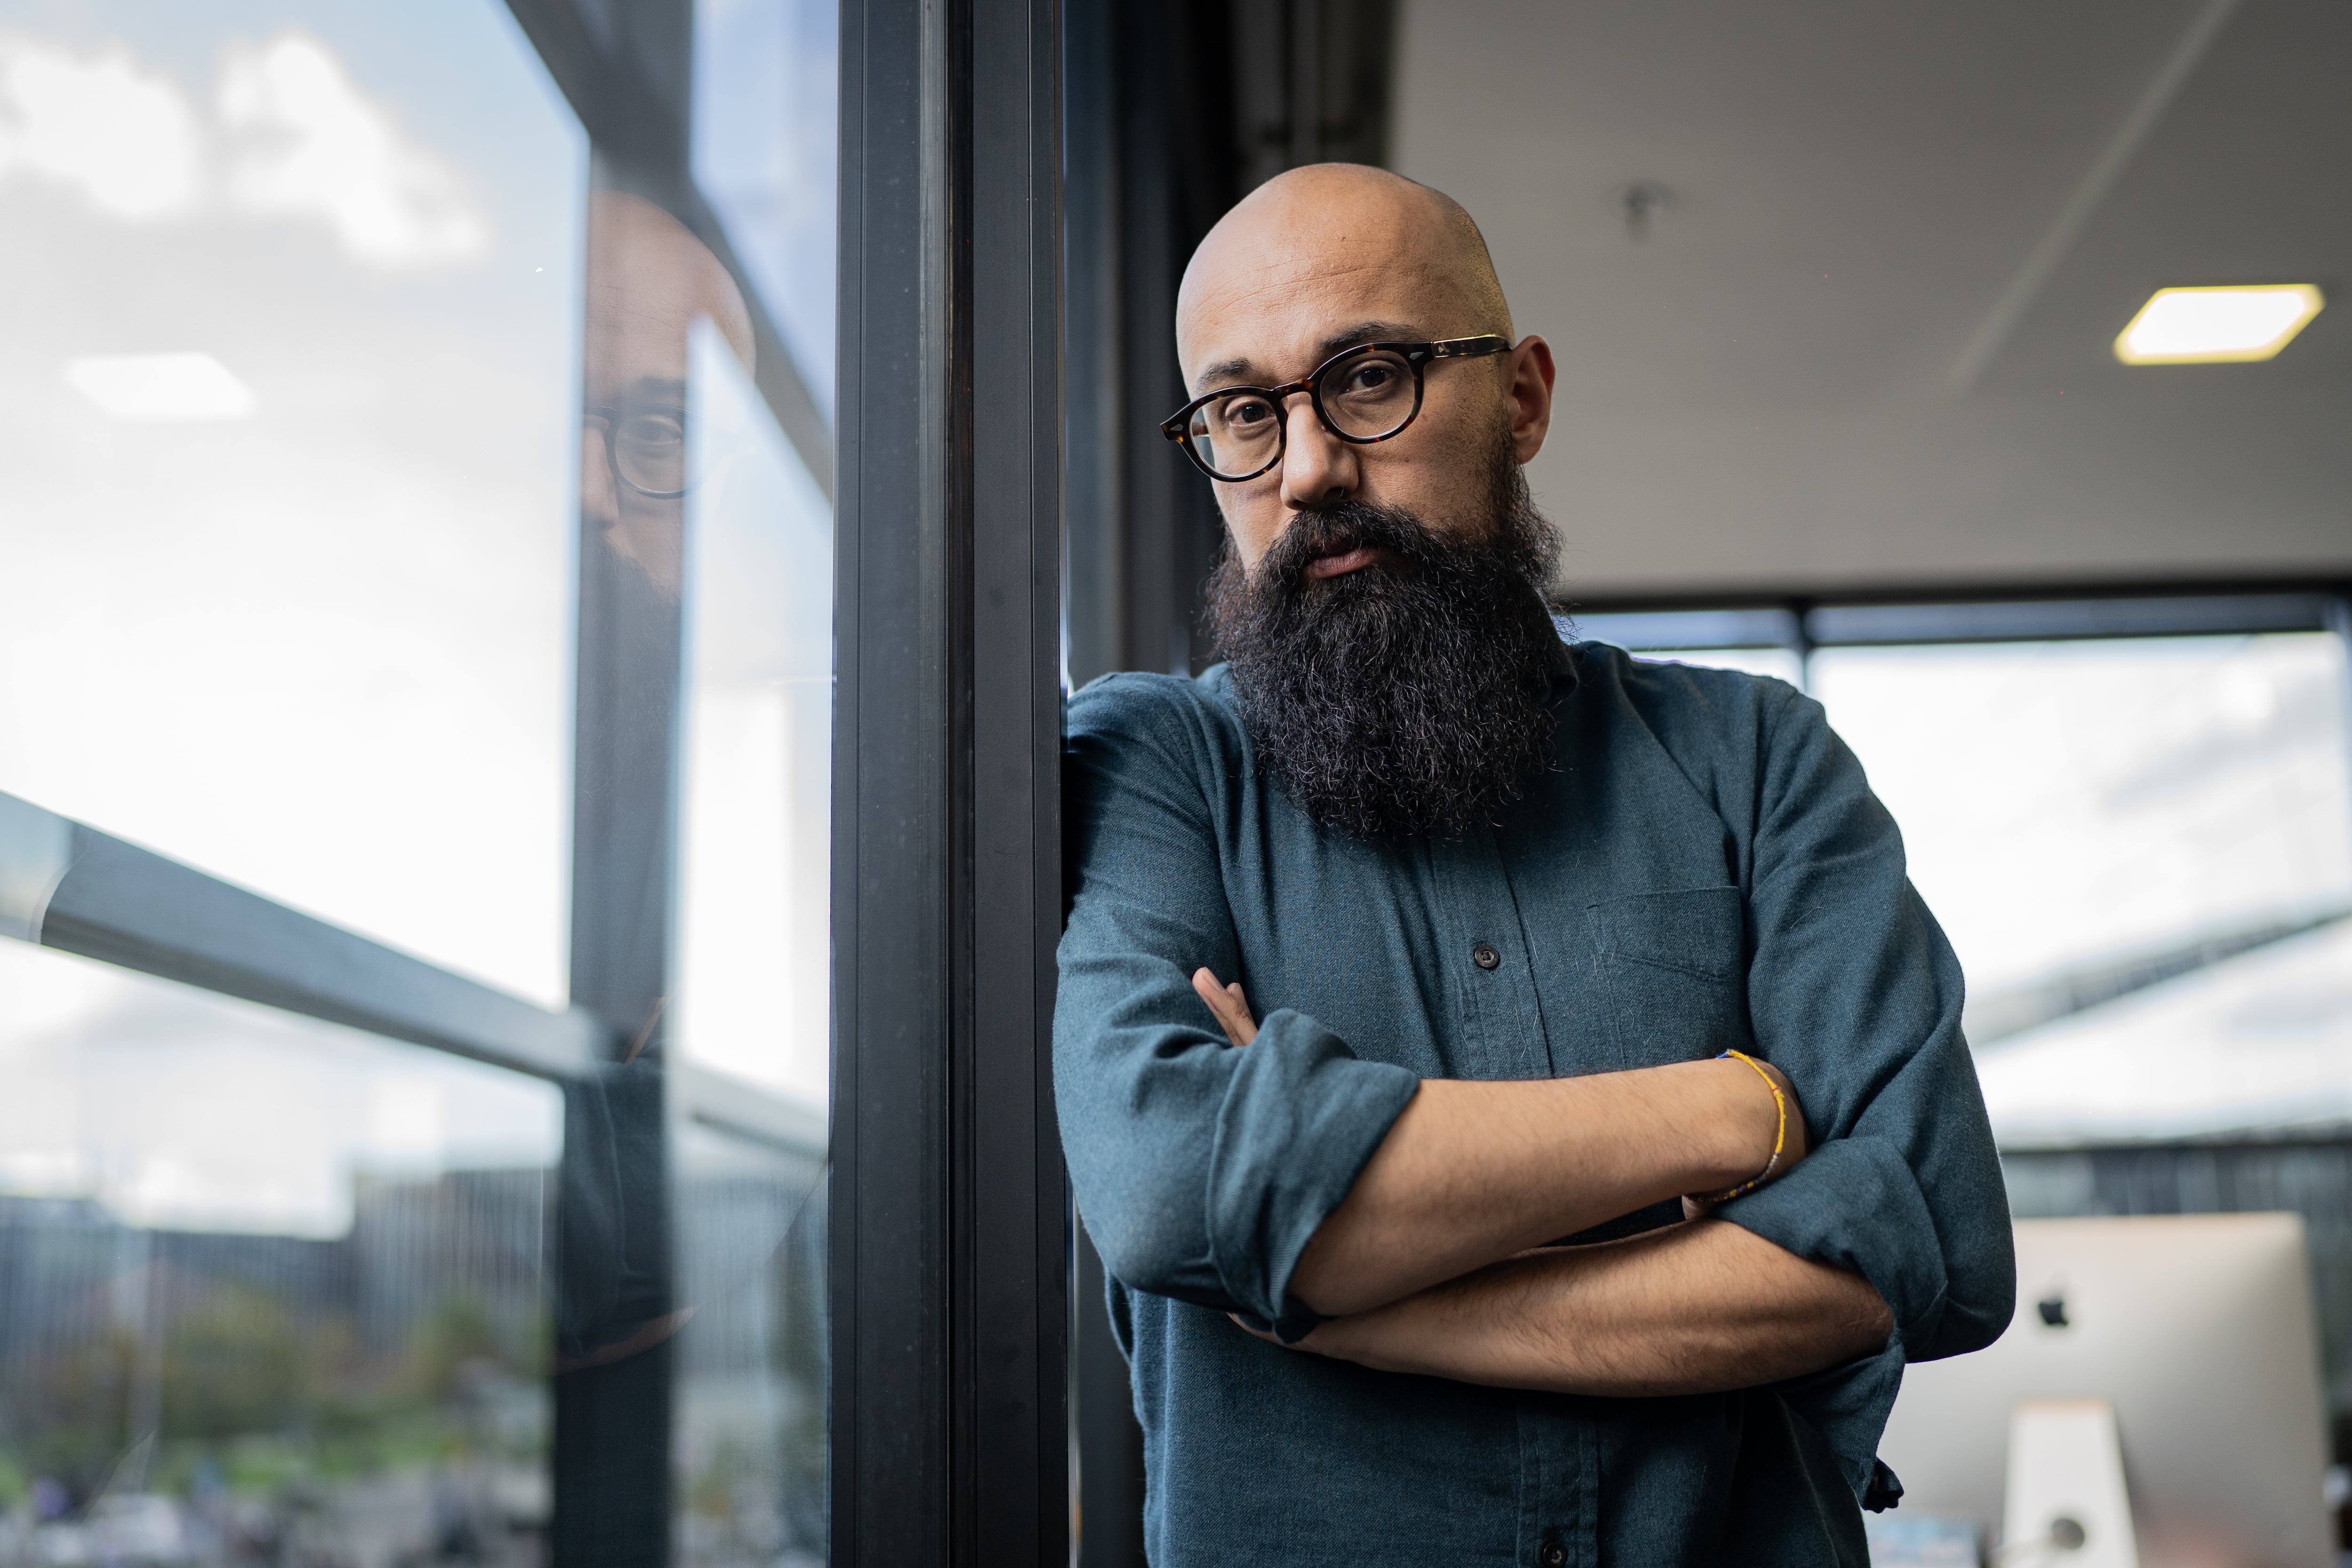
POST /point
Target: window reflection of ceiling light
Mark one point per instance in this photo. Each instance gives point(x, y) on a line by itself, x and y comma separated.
point(2217, 326)
point(161, 386)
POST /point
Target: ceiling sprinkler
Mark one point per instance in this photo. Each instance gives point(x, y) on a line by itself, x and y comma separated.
point(1638, 202)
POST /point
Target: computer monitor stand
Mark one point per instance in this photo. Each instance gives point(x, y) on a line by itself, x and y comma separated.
point(2066, 1502)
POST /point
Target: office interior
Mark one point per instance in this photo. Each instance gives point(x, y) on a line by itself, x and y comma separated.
point(550, 537)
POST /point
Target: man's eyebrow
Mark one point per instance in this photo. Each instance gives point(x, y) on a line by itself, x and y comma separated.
point(1232, 372)
point(667, 389)
point(1369, 333)
point(1225, 373)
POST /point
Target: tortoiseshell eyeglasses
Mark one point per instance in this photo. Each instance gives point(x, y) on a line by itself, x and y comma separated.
point(1363, 394)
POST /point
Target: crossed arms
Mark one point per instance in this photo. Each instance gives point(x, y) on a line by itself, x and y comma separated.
point(1435, 1262)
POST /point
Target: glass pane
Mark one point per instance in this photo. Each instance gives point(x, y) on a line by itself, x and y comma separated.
point(751, 1380)
point(2142, 851)
point(349, 413)
point(288, 323)
point(707, 610)
point(766, 90)
point(753, 957)
point(269, 1289)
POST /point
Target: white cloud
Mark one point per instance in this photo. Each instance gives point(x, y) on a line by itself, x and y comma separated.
point(295, 137)
point(125, 137)
point(308, 143)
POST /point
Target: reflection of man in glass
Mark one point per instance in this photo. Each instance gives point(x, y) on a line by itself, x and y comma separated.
point(1493, 1236)
point(648, 279)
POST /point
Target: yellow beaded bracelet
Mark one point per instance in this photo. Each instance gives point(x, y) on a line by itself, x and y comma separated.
point(1780, 1134)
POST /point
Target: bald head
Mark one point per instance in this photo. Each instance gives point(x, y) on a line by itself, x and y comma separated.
point(1333, 238)
point(648, 279)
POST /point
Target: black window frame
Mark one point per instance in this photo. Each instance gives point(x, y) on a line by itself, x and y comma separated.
point(949, 1219)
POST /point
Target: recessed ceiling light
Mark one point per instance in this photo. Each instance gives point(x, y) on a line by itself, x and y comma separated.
point(2234, 325)
point(161, 386)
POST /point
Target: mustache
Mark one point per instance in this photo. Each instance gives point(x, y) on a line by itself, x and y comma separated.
point(1340, 526)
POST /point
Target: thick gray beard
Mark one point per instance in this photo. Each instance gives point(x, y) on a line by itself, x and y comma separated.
point(1407, 697)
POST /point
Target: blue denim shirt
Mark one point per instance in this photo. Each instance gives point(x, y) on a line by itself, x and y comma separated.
point(1704, 867)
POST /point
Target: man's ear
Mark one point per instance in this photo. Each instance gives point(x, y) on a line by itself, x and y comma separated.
point(1531, 374)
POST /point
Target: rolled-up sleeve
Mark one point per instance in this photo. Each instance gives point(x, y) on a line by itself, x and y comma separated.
point(1856, 994)
point(1202, 1169)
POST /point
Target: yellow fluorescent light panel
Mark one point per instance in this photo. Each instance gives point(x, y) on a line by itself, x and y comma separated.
point(2231, 325)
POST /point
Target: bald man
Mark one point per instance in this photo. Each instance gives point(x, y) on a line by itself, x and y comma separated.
point(649, 280)
point(1604, 1142)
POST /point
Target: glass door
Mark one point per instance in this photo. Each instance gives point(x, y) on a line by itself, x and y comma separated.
point(416, 734)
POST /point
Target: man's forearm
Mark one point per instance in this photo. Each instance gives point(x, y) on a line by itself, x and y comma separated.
point(1473, 1173)
point(1698, 1308)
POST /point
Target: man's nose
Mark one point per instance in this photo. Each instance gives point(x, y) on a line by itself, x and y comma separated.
point(1318, 468)
point(596, 498)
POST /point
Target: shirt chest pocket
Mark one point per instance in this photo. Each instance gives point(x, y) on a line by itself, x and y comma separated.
point(1672, 968)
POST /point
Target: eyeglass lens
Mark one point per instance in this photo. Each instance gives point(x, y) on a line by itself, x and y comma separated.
point(649, 449)
point(1365, 398)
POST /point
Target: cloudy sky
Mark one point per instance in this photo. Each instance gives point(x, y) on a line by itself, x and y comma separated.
point(313, 634)
point(322, 648)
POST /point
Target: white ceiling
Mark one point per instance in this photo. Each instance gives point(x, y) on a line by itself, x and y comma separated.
point(1868, 346)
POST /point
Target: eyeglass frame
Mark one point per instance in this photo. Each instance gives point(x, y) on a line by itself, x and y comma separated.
point(1419, 355)
point(611, 415)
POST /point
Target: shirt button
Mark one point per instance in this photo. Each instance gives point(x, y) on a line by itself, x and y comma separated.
point(1554, 1553)
point(1485, 957)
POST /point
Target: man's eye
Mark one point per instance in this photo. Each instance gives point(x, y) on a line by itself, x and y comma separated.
point(1370, 380)
point(1244, 413)
point(650, 430)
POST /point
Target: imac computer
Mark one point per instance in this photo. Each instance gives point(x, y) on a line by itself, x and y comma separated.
point(2198, 1332)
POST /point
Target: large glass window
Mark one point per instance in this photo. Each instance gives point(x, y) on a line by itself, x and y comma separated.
point(291, 307)
point(2142, 851)
point(420, 527)
point(269, 1289)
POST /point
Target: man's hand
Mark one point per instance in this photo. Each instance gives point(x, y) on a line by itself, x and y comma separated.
point(1228, 1003)
point(1698, 1307)
point(1474, 1172)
